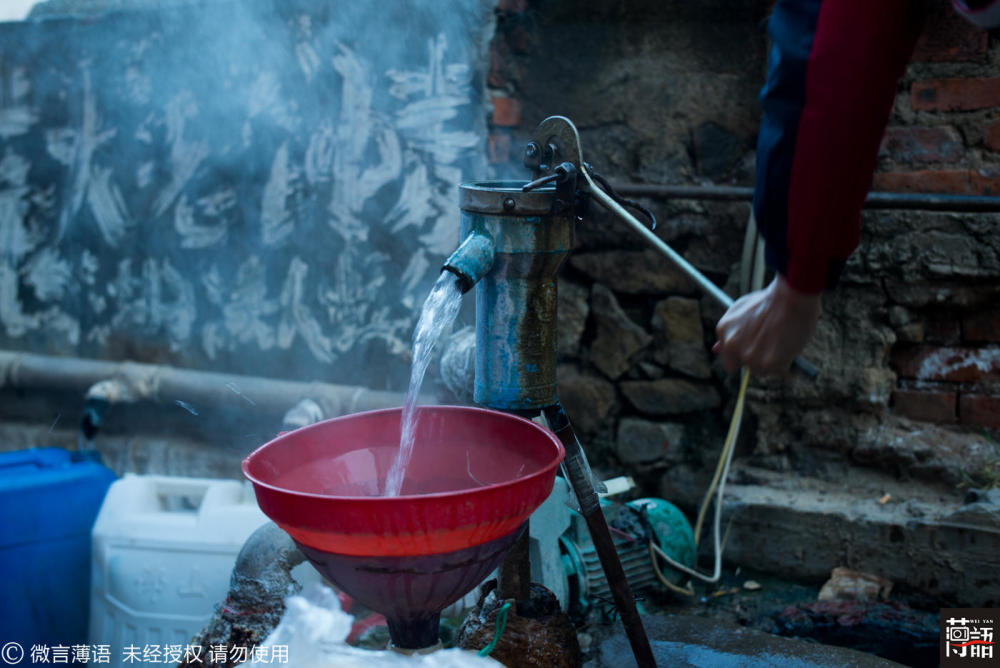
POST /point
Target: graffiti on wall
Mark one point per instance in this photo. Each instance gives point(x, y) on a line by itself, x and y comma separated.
point(267, 187)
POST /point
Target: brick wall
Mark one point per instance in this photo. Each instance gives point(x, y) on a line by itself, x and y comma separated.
point(944, 137)
point(667, 93)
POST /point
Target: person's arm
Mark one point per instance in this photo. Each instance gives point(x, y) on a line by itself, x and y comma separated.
point(833, 69)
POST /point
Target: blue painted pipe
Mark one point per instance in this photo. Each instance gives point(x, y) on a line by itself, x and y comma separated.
point(471, 260)
point(513, 247)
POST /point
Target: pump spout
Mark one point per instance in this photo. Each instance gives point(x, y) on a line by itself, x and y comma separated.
point(472, 260)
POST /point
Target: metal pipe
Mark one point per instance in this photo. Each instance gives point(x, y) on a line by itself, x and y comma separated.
point(875, 200)
point(161, 383)
point(692, 273)
point(689, 270)
point(580, 479)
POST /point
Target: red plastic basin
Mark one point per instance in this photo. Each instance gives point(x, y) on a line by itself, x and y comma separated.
point(475, 476)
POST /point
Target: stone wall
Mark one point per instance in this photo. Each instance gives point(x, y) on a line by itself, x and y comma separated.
point(635, 371)
point(907, 346)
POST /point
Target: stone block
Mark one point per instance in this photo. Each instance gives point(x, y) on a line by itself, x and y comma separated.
point(618, 337)
point(642, 441)
point(588, 399)
point(644, 272)
point(572, 316)
point(670, 396)
point(680, 339)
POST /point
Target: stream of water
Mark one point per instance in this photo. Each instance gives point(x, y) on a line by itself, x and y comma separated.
point(437, 315)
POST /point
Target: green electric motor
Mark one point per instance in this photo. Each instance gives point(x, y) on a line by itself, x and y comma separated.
point(632, 525)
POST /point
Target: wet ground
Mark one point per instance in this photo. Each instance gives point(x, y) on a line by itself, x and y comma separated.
point(696, 642)
point(751, 619)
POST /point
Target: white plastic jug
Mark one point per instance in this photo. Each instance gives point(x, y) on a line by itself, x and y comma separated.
point(163, 553)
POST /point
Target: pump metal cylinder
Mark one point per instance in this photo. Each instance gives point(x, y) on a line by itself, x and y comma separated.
point(532, 234)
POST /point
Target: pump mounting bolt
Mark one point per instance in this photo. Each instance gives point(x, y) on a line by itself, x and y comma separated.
point(509, 204)
point(531, 150)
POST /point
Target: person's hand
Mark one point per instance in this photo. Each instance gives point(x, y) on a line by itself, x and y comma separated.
point(766, 330)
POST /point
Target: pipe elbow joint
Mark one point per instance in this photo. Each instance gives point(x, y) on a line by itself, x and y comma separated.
point(472, 260)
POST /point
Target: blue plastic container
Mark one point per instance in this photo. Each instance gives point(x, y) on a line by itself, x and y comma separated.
point(49, 499)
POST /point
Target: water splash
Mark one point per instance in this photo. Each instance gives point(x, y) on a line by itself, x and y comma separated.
point(438, 314)
point(232, 387)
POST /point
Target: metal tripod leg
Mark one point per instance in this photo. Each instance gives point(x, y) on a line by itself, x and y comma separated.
point(590, 508)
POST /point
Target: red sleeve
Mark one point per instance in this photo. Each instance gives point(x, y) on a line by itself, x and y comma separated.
point(829, 115)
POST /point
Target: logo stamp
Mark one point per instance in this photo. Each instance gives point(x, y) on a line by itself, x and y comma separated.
point(969, 637)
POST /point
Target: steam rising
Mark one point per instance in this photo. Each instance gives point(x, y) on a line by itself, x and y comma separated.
point(262, 186)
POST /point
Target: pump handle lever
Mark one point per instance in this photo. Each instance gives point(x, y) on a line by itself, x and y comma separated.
point(557, 138)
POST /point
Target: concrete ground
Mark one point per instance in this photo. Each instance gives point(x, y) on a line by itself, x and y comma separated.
point(695, 642)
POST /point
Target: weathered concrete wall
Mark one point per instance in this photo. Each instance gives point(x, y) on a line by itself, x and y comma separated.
point(260, 187)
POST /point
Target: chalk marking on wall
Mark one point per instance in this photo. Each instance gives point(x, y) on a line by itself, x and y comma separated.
point(185, 155)
point(48, 274)
point(246, 307)
point(319, 154)
point(192, 234)
point(439, 91)
point(107, 206)
point(180, 313)
point(275, 219)
point(55, 320)
point(86, 140)
point(14, 169)
point(16, 241)
point(296, 317)
point(88, 266)
point(305, 52)
point(144, 174)
point(413, 278)
point(443, 234)
point(16, 322)
point(357, 126)
point(944, 361)
point(266, 99)
point(16, 117)
point(351, 300)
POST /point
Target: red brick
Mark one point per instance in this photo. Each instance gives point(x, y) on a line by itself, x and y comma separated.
point(947, 37)
point(517, 6)
point(925, 406)
point(979, 409)
point(947, 363)
point(955, 94)
point(905, 144)
point(498, 146)
point(495, 79)
point(506, 112)
point(982, 327)
point(947, 181)
point(943, 329)
point(993, 136)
